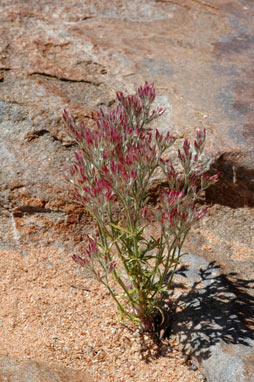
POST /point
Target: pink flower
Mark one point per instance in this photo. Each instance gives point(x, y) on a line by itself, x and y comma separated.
point(81, 261)
point(112, 266)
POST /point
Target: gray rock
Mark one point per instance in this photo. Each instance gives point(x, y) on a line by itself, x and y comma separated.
point(215, 325)
point(230, 363)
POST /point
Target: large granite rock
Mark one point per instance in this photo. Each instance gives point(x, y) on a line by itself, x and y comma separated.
point(12, 370)
point(76, 55)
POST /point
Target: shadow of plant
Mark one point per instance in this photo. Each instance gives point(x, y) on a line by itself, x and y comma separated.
point(216, 308)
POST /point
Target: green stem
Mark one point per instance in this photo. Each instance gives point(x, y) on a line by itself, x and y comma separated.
point(176, 263)
point(159, 257)
point(121, 308)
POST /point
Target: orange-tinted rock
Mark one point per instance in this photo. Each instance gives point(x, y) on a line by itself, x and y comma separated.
point(12, 370)
point(76, 55)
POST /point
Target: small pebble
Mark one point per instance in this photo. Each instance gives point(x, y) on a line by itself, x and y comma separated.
point(169, 349)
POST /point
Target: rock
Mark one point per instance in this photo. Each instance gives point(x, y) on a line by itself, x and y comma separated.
point(75, 59)
point(228, 363)
point(12, 370)
point(215, 324)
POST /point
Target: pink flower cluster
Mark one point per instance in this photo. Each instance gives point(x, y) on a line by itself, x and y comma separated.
point(178, 213)
point(115, 158)
point(92, 258)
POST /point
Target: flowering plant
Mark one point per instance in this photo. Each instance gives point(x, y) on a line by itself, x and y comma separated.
point(111, 176)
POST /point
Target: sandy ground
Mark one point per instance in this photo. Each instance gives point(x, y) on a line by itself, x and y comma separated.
point(49, 312)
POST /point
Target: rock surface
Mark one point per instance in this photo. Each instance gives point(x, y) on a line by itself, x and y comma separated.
point(12, 370)
point(215, 324)
point(198, 53)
